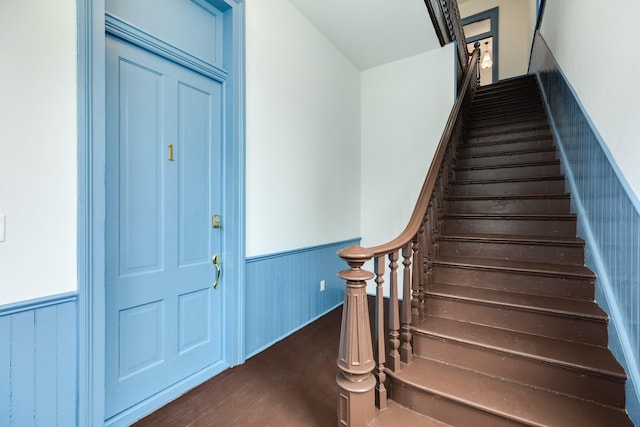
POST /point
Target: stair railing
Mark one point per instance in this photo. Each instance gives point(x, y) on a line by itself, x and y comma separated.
point(360, 391)
point(447, 23)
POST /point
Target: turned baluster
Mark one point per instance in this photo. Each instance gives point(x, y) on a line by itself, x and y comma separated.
point(393, 359)
point(430, 238)
point(476, 45)
point(435, 225)
point(381, 377)
point(424, 244)
point(406, 351)
point(418, 274)
point(450, 159)
point(356, 402)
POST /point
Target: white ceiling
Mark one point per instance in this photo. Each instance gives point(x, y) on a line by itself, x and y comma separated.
point(373, 32)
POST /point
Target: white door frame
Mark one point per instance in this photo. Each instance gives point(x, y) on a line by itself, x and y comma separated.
point(91, 202)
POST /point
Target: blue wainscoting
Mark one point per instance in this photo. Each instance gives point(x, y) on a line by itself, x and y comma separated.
point(38, 362)
point(282, 292)
point(608, 214)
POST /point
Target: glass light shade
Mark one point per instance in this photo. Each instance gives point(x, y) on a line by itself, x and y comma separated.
point(486, 61)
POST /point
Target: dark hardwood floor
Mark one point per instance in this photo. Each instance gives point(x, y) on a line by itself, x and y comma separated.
point(290, 384)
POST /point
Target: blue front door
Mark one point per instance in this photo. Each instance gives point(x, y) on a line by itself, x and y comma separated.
point(164, 318)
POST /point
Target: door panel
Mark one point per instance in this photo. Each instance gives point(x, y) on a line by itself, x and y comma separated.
point(194, 164)
point(164, 320)
point(140, 174)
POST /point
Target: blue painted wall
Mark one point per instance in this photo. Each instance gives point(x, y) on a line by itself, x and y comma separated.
point(282, 292)
point(38, 355)
point(38, 362)
point(608, 215)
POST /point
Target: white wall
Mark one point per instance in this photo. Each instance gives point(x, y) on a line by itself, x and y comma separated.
point(38, 140)
point(514, 32)
point(594, 46)
point(405, 105)
point(303, 133)
point(303, 138)
point(533, 18)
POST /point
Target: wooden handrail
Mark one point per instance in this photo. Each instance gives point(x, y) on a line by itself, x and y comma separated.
point(414, 249)
point(427, 188)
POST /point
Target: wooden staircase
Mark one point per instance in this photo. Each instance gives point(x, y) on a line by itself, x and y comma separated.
point(509, 333)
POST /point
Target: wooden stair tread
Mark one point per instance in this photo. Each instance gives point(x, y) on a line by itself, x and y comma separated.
point(524, 118)
point(510, 165)
point(397, 415)
point(506, 86)
point(541, 240)
point(527, 371)
point(506, 99)
point(509, 196)
point(492, 215)
point(493, 143)
point(509, 153)
point(523, 80)
point(463, 155)
point(482, 91)
point(480, 113)
point(509, 202)
point(510, 400)
point(517, 266)
point(570, 354)
point(500, 87)
point(556, 306)
point(521, 133)
point(509, 179)
point(506, 126)
point(525, 87)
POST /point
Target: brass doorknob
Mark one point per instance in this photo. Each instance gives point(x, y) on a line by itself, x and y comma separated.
point(215, 260)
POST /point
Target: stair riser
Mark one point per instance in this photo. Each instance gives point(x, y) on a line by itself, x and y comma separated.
point(514, 118)
point(506, 128)
point(510, 137)
point(497, 113)
point(555, 186)
point(510, 85)
point(504, 280)
point(503, 317)
point(510, 206)
point(525, 227)
point(510, 251)
point(506, 159)
point(506, 101)
point(484, 92)
point(473, 151)
point(443, 409)
point(508, 172)
point(520, 369)
point(506, 88)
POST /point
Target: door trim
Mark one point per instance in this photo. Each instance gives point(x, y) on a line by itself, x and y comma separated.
point(494, 14)
point(140, 38)
point(91, 200)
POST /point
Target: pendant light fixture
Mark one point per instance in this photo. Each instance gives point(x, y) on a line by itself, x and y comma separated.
point(486, 59)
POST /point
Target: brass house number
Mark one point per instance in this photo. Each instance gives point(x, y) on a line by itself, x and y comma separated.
point(171, 152)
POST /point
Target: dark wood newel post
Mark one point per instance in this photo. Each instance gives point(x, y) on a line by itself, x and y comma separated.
point(356, 404)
